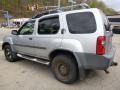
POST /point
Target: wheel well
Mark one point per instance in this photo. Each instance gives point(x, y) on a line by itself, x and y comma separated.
point(65, 52)
point(6, 43)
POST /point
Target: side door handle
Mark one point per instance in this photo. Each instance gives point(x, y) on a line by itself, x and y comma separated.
point(63, 31)
point(30, 38)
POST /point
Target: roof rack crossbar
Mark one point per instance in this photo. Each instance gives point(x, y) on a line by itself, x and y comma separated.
point(78, 6)
point(62, 9)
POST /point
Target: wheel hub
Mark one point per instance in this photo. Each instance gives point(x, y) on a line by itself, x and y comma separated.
point(8, 53)
point(63, 69)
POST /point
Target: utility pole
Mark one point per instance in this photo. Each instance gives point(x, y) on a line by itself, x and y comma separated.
point(59, 1)
point(7, 16)
point(8, 19)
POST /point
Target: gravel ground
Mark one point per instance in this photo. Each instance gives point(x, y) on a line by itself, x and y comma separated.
point(28, 75)
point(3, 32)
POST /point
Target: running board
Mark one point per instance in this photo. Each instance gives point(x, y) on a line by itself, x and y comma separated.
point(34, 59)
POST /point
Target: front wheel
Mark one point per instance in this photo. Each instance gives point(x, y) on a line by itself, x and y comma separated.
point(65, 69)
point(9, 54)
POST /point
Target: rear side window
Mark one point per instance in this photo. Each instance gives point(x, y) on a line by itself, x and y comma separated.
point(81, 23)
point(49, 25)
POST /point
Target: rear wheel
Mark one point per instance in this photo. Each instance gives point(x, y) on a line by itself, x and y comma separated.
point(65, 69)
point(9, 54)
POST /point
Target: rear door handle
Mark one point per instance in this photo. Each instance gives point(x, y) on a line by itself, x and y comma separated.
point(30, 38)
point(63, 31)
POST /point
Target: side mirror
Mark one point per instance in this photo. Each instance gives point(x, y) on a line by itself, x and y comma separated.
point(14, 32)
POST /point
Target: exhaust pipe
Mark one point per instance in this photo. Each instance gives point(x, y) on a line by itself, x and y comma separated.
point(114, 64)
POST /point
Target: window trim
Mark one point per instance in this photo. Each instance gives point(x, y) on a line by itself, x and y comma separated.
point(84, 32)
point(47, 18)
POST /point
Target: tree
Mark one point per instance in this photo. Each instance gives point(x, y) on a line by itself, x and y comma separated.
point(103, 7)
point(18, 8)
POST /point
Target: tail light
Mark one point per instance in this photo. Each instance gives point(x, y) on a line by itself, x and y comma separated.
point(100, 46)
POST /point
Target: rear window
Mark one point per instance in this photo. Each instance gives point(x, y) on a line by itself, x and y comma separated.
point(81, 23)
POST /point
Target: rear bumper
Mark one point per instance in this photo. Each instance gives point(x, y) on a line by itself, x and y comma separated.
point(96, 62)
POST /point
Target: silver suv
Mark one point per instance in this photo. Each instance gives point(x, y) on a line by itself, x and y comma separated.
point(70, 42)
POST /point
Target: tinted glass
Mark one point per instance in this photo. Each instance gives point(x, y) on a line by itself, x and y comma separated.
point(81, 22)
point(27, 28)
point(49, 25)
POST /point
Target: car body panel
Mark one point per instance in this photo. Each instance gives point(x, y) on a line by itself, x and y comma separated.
point(83, 46)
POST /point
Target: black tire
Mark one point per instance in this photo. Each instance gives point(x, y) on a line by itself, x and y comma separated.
point(65, 69)
point(9, 54)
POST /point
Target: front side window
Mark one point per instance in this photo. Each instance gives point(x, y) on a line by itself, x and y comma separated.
point(27, 28)
point(49, 25)
point(83, 22)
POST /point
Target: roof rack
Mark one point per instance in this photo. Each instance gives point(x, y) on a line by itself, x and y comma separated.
point(75, 7)
point(61, 9)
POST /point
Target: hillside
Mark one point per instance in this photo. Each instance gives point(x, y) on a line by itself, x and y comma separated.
point(22, 8)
